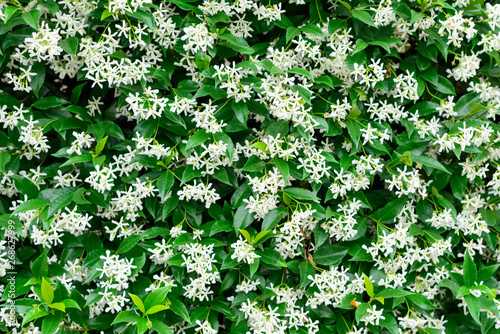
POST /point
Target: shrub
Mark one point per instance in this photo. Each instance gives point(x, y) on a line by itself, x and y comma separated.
point(302, 166)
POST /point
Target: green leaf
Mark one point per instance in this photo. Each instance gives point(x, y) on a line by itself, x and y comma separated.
point(368, 285)
point(9, 11)
point(291, 33)
point(34, 314)
point(328, 255)
point(394, 293)
point(271, 257)
point(445, 86)
point(221, 226)
point(164, 184)
point(272, 218)
point(360, 46)
point(245, 234)
point(47, 291)
point(126, 316)
point(259, 236)
point(302, 72)
point(202, 60)
point(49, 102)
point(160, 327)
point(197, 139)
point(428, 51)
point(199, 314)
point(313, 30)
point(214, 92)
point(180, 309)
point(345, 4)
point(156, 297)
point(283, 168)
point(4, 159)
point(138, 302)
point(474, 307)
point(390, 323)
point(260, 145)
point(306, 270)
point(58, 306)
point(240, 111)
point(447, 283)
point(253, 164)
point(390, 210)
point(70, 45)
point(31, 204)
point(79, 196)
point(424, 108)
point(382, 44)
point(40, 266)
point(38, 79)
point(65, 196)
point(70, 303)
point(485, 273)
point(303, 92)
point(50, 323)
point(463, 291)
point(143, 16)
point(105, 14)
point(25, 186)
point(156, 309)
point(300, 193)
point(128, 243)
point(278, 128)
point(242, 219)
point(354, 129)
point(470, 270)
point(430, 162)
point(420, 301)
point(228, 262)
point(361, 311)
point(328, 81)
point(106, 127)
point(363, 16)
point(100, 145)
point(182, 4)
point(464, 104)
point(78, 159)
point(236, 43)
point(31, 18)
point(336, 24)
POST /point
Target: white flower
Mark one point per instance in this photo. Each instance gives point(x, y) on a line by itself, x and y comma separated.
point(243, 251)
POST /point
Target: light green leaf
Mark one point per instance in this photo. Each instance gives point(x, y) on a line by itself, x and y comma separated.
point(58, 306)
point(47, 291)
point(138, 302)
point(156, 309)
point(100, 145)
point(368, 285)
